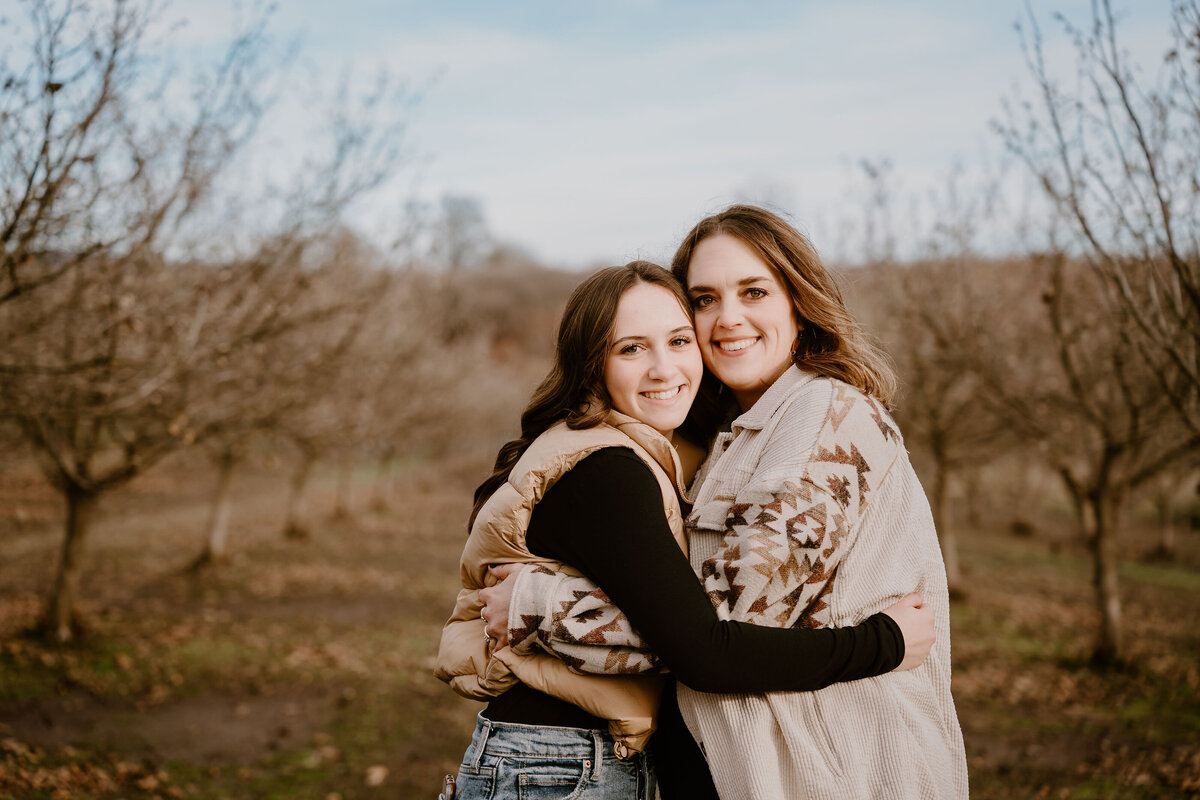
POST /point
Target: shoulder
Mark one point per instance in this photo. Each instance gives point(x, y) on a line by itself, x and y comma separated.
point(559, 448)
point(794, 428)
point(856, 415)
point(828, 419)
point(593, 485)
point(857, 447)
point(806, 405)
point(559, 438)
point(611, 467)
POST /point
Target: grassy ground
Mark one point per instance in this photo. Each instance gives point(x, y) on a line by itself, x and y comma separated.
point(302, 669)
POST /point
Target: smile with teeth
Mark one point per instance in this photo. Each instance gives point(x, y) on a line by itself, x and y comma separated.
point(734, 346)
point(666, 394)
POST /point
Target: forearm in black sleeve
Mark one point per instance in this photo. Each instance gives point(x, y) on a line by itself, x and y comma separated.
point(605, 518)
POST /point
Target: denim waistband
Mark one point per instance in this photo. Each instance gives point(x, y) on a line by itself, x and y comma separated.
point(547, 741)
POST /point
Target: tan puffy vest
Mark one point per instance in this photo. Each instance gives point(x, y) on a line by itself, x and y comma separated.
point(628, 702)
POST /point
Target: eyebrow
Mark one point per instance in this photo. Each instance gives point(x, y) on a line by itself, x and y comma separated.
point(742, 282)
point(639, 337)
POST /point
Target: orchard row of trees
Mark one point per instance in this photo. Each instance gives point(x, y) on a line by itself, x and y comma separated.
point(154, 300)
point(1082, 360)
point(157, 293)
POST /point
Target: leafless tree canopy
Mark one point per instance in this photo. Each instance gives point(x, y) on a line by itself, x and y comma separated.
point(1119, 156)
point(122, 341)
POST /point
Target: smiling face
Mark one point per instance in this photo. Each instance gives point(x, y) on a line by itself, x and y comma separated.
point(745, 320)
point(653, 367)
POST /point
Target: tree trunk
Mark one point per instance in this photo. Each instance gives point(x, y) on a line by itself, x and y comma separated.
point(293, 527)
point(1105, 512)
point(61, 616)
point(216, 548)
point(973, 478)
point(1084, 511)
point(945, 530)
point(1166, 527)
point(383, 482)
point(345, 475)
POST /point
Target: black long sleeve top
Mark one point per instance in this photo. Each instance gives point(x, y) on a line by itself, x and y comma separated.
point(605, 518)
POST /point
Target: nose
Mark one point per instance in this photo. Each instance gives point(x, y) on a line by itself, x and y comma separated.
point(729, 314)
point(661, 365)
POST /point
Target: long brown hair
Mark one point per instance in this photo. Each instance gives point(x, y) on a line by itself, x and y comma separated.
point(573, 389)
point(831, 342)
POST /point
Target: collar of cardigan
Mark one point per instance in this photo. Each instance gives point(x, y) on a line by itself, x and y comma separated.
point(762, 411)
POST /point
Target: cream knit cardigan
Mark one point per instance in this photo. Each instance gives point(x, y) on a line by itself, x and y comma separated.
point(808, 513)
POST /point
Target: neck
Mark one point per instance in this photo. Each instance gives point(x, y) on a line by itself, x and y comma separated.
point(746, 398)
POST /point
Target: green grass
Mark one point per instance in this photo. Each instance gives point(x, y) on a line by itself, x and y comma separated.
point(1000, 638)
point(285, 777)
point(1172, 577)
point(21, 682)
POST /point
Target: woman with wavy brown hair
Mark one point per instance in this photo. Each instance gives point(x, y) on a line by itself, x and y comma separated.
point(806, 514)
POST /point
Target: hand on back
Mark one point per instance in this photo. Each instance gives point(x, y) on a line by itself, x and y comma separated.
point(916, 623)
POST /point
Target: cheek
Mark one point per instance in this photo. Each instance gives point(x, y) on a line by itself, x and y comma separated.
point(693, 366)
point(616, 381)
point(785, 320)
point(610, 378)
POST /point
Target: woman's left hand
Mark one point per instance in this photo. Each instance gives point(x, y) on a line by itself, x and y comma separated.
point(495, 600)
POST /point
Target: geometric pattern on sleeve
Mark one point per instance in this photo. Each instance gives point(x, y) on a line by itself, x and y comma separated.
point(783, 540)
point(581, 626)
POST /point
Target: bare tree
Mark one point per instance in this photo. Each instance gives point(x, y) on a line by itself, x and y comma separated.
point(395, 384)
point(933, 329)
point(460, 235)
point(133, 352)
point(292, 372)
point(1121, 161)
point(929, 315)
point(1068, 374)
point(1164, 492)
point(71, 147)
point(226, 454)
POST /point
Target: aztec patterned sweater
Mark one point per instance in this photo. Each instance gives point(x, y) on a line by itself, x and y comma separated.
point(807, 513)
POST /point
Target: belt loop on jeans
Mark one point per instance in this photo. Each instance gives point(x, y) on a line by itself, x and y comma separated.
point(485, 730)
point(597, 754)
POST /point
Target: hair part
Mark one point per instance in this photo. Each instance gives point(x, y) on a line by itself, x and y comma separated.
point(831, 342)
point(574, 389)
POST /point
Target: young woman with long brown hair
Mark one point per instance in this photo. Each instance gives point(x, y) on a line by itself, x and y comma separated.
point(806, 513)
point(592, 482)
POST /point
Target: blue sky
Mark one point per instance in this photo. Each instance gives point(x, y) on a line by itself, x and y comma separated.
point(599, 132)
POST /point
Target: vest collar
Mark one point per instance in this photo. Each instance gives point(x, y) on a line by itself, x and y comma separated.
point(653, 442)
point(762, 411)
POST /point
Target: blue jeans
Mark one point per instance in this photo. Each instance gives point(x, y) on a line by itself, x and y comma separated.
point(506, 761)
